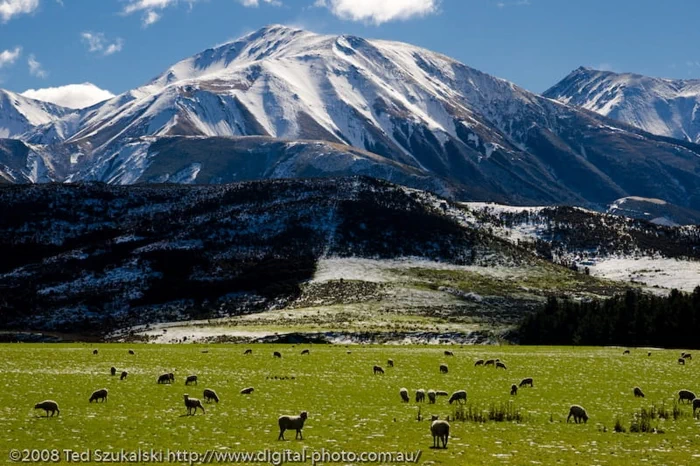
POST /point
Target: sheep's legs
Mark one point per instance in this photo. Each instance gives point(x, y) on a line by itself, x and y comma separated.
point(299, 435)
point(281, 436)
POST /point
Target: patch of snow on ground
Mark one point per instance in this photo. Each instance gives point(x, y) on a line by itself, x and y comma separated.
point(661, 272)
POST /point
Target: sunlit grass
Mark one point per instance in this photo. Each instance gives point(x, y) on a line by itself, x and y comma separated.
point(349, 408)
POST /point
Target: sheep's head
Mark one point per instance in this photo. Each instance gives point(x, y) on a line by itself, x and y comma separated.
point(186, 396)
point(434, 417)
point(304, 415)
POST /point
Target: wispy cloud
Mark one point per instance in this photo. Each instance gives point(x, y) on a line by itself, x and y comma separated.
point(513, 3)
point(379, 11)
point(9, 57)
point(151, 8)
point(10, 8)
point(98, 43)
point(35, 68)
point(256, 3)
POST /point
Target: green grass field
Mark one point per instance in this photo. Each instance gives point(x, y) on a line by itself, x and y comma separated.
point(349, 408)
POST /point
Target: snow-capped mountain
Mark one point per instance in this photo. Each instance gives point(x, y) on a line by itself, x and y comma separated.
point(480, 136)
point(19, 114)
point(667, 107)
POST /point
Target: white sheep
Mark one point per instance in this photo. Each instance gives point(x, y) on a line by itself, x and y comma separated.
point(578, 413)
point(420, 396)
point(292, 423)
point(686, 395)
point(441, 432)
point(526, 381)
point(99, 395)
point(210, 395)
point(48, 406)
point(459, 396)
point(431, 397)
point(192, 404)
point(404, 395)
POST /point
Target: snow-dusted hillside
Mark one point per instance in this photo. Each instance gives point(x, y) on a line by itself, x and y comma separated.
point(667, 107)
point(19, 114)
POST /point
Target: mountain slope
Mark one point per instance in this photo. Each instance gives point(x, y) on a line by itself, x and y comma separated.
point(667, 107)
point(483, 136)
point(19, 114)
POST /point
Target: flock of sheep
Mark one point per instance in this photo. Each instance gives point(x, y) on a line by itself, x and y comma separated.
point(440, 429)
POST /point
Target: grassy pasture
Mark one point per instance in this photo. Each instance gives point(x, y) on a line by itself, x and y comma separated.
point(349, 408)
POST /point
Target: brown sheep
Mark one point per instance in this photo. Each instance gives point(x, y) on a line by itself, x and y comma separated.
point(479, 362)
point(123, 376)
point(248, 351)
point(378, 370)
point(449, 353)
point(276, 354)
point(526, 381)
point(191, 379)
point(305, 352)
point(686, 395)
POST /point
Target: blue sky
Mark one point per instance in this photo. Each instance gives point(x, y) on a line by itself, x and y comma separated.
point(121, 44)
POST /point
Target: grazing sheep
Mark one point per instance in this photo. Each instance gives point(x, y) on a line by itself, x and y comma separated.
point(276, 354)
point(378, 370)
point(192, 404)
point(99, 395)
point(638, 393)
point(626, 352)
point(449, 353)
point(131, 351)
point(683, 354)
point(390, 363)
point(248, 351)
point(490, 362)
point(649, 353)
point(578, 413)
point(113, 371)
point(441, 432)
point(687, 356)
point(479, 362)
point(441, 393)
point(247, 391)
point(191, 379)
point(686, 395)
point(94, 352)
point(166, 378)
point(48, 406)
point(420, 396)
point(681, 361)
point(460, 396)
point(501, 365)
point(305, 352)
point(404, 395)
point(696, 405)
point(526, 381)
point(443, 369)
point(431, 397)
point(292, 423)
point(123, 376)
point(513, 390)
point(210, 395)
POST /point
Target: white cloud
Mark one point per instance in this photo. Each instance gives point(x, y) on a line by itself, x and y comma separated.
point(8, 57)
point(97, 43)
point(35, 68)
point(379, 11)
point(10, 8)
point(256, 3)
point(71, 96)
point(150, 8)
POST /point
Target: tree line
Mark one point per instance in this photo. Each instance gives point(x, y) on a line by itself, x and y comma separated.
point(631, 319)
